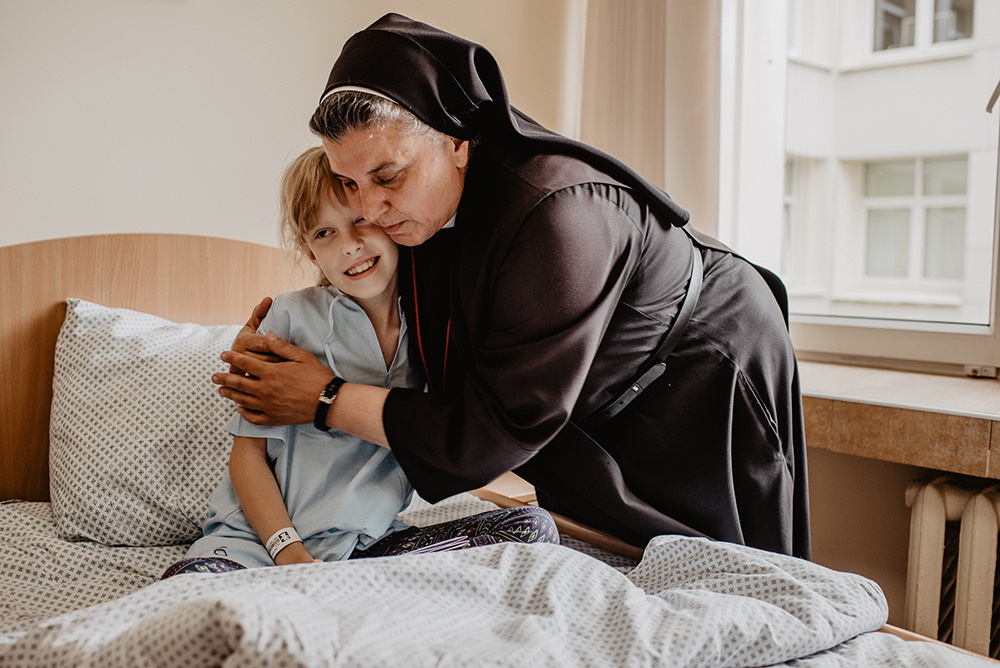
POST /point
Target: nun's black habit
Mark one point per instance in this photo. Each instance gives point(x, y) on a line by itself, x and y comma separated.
point(563, 273)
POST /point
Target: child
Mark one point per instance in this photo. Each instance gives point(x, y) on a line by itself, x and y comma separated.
point(297, 494)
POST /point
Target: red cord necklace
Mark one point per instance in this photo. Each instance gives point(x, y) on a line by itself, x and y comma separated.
point(420, 343)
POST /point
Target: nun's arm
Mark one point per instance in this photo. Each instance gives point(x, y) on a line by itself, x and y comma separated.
point(552, 297)
point(287, 392)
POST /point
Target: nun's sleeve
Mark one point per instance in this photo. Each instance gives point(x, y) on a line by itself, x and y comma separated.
point(553, 296)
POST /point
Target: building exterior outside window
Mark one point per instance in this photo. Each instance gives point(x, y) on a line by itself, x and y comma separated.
point(892, 160)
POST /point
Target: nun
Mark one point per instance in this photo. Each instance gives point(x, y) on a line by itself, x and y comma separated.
point(572, 327)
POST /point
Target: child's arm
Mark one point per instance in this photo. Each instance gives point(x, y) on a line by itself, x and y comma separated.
point(260, 497)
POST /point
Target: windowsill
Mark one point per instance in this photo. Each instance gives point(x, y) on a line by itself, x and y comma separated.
point(911, 55)
point(953, 395)
point(941, 422)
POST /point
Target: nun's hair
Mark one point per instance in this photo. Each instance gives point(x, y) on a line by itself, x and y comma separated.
point(345, 111)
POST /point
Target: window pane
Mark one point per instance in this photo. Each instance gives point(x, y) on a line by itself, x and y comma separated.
point(944, 255)
point(946, 176)
point(952, 20)
point(894, 21)
point(889, 178)
point(888, 248)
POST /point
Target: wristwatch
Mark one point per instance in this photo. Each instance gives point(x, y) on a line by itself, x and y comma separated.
point(325, 399)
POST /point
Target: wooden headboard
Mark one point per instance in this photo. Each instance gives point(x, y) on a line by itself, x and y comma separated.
point(183, 278)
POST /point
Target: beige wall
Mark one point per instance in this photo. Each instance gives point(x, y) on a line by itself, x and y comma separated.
point(860, 521)
point(178, 116)
point(174, 116)
point(527, 37)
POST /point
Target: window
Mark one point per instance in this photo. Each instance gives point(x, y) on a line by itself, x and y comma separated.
point(894, 23)
point(907, 23)
point(952, 20)
point(887, 200)
point(915, 213)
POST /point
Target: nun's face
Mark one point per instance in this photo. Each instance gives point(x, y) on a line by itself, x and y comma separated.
point(407, 184)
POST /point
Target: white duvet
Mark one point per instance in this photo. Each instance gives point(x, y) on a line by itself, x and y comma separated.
point(690, 602)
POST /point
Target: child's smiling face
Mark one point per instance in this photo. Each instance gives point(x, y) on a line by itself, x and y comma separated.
point(358, 258)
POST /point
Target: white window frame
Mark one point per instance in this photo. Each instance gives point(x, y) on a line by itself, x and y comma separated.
point(748, 171)
point(915, 286)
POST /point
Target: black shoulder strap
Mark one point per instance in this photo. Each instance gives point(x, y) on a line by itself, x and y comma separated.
point(657, 363)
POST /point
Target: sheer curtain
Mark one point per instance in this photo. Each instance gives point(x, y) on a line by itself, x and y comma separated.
point(649, 94)
point(624, 82)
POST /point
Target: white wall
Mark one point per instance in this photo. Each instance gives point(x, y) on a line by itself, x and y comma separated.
point(890, 112)
point(179, 115)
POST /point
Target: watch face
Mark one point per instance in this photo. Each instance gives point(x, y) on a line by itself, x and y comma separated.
point(325, 400)
point(330, 391)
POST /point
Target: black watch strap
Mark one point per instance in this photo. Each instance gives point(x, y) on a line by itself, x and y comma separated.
point(325, 399)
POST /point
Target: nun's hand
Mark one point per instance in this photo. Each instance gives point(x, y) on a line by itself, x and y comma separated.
point(275, 393)
point(249, 342)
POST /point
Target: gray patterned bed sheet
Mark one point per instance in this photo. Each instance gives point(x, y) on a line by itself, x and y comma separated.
point(43, 576)
point(690, 602)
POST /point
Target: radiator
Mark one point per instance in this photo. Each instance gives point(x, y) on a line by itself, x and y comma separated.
point(952, 589)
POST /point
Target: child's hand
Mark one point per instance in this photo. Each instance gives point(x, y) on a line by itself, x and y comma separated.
point(296, 553)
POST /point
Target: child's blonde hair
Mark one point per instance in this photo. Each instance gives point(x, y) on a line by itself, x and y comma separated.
point(303, 186)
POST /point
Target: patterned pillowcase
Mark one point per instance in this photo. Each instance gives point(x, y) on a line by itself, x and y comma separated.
point(137, 442)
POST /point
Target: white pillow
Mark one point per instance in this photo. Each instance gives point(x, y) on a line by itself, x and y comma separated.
point(137, 439)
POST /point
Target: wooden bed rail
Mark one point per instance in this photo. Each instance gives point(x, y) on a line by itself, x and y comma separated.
point(569, 527)
point(911, 636)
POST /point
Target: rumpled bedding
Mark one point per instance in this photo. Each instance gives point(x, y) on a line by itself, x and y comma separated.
point(689, 602)
point(43, 575)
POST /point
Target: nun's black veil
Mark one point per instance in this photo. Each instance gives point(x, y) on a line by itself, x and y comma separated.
point(456, 87)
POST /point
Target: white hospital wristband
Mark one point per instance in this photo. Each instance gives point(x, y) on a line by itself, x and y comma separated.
point(281, 539)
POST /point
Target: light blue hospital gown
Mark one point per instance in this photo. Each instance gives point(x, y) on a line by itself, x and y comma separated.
point(340, 492)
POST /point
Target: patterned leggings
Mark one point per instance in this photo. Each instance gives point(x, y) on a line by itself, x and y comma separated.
point(525, 524)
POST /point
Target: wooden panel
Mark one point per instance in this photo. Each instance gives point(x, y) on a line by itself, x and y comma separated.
point(818, 418)
point(568, 527)
point(910, 636)
point(184, 278)
point(947, 442)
